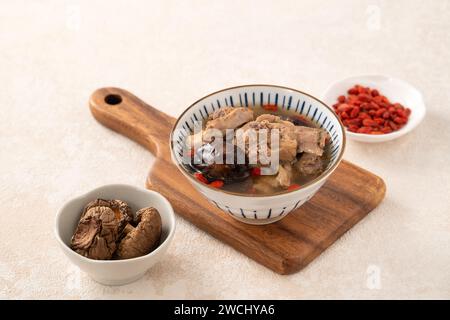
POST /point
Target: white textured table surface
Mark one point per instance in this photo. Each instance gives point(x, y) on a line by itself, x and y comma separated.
point(53, 54)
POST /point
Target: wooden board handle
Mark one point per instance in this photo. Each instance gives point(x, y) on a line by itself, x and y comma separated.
point(125, 113)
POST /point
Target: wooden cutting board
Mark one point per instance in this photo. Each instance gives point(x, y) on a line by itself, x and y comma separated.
point(286, 246)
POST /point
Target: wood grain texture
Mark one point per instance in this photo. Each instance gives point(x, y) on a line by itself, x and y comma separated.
point(286, 246)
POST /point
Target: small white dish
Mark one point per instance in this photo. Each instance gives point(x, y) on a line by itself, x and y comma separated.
point(115, 272)
point(395, 90)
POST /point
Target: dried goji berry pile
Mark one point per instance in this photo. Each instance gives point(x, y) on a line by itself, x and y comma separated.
point(365, 110)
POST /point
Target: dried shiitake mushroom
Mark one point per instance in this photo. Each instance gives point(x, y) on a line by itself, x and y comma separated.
point(121, 209)
point(107, 229)
point(143, 238)
point(100, 227)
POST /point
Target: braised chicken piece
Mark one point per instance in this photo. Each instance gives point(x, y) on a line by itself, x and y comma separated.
point(229, 118)
point(284, 175)
point(309, 164)
point(287, 144)
point(310, 140)
point(266, 184)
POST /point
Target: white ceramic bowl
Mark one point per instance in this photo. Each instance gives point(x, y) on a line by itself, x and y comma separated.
point(259, 209)
point(115, 272)
point(395, 90)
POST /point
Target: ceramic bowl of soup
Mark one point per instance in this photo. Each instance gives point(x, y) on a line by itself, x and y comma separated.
point(299, 143)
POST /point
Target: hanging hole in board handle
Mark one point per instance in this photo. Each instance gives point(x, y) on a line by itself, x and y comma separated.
point(113, 99)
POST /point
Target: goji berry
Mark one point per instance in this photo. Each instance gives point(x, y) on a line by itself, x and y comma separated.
point(365, 106)
point(363, 115)
point(341, 99)
point(256, 172)
point(399, 120)
point(364, 130)
point(379, 112)
point(362, 90)
point(369, 123)
point(386, 130)
point(352, 91)
point(200, 177)
point(270, 107)
point(393, 125)
point(379, 121)
point(384, 105)
point(354, 113)
point(378, 99)
point(355, 122)
point(217, 184)
point(401, 113)
point(364, 97)
point(293, 187)
point(343, 107)
point(407, 112)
